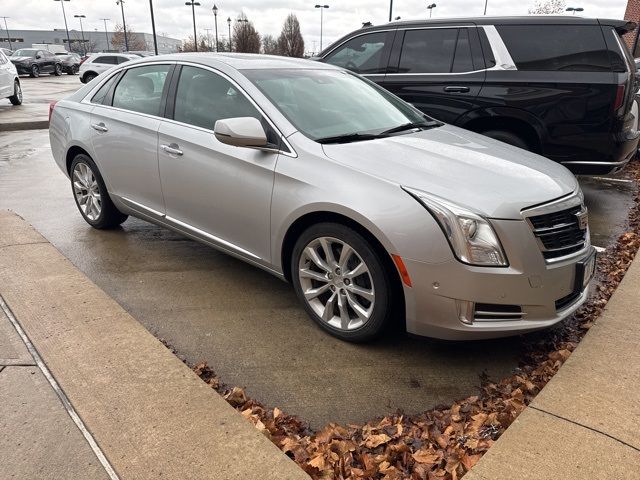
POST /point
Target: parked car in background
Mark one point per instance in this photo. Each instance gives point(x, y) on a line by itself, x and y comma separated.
point(9, 82)
point(141, 53)
point(101, 62)
point(33, 62)
point(374, 211)
point(70, 62)
point(562, 87)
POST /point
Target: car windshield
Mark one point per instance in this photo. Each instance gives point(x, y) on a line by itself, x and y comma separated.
point(329, 105)
point(25, 52)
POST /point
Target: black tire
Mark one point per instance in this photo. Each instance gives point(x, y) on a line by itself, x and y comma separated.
point(16, 98)
point(381, 313)
point(110, 216)
point(89, 76)
point(57, 70)
point(35, 71)
point(72, 70)
point(508, 137)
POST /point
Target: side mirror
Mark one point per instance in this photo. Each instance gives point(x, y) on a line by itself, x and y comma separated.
point(38, 57)
point(240, 132)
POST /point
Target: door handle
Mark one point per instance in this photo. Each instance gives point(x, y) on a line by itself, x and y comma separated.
point(101, 127)
point(456, 89)
point(172, 149)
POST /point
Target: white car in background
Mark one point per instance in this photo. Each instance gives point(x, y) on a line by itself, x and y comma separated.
point(101, 62)
point(9, 82)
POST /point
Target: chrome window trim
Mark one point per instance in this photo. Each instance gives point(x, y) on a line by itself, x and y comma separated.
point(500, 50)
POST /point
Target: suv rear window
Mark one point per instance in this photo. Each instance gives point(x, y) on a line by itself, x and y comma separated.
point(576, 48)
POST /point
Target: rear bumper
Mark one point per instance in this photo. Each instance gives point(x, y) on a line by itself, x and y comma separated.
point(440, 291)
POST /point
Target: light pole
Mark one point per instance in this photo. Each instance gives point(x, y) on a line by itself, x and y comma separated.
point(430, 8)
point(193, 12)
point(124, 25)
point(84, 48)
point(153, 28)
point(485, 6)
point(229, 24)
point(7, 29)
point(390, 9)
point(574, 10)
point(106, 34)
point(321, 7)
point(64, 15)
point(215, 16)
point(209, 46)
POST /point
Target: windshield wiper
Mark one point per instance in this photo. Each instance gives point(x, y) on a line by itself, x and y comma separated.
point(410, 126)
point(348, 138)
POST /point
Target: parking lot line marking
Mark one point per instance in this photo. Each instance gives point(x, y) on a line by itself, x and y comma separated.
point(63, 397)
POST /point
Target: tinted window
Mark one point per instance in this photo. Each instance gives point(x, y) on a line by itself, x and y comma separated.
point(140, 89)
point(105, 60)
point(204, 97)
point(121, 59)
point(462, 61)
point(362, 54)
point(101, 94)
point(428, 51)
point(578, 48)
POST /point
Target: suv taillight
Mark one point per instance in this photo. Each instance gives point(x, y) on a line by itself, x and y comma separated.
point(83, 59)
point(619, 98)
point(51, 107)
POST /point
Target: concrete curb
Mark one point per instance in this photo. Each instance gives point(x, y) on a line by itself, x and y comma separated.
point(29, 125)
point(150, 415)
point(584, 423)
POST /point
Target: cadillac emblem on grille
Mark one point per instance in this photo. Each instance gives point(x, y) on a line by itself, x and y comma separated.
point(583, 219)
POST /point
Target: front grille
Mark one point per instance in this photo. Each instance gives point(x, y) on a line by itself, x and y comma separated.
point(559, 233)
point(493, 312)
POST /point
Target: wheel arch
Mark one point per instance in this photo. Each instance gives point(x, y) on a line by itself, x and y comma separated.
point(72, 152)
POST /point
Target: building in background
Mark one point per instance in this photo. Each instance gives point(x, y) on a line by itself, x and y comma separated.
point(95, 40)
point(632, 13)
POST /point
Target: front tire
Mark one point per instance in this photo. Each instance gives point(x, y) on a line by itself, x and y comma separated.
point(342, 282)
point(91, 196)
point(16, 98)
point(89, 76)
point(35, 71)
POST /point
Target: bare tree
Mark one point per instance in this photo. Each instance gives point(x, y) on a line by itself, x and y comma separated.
point(246, 38)
point(290, 42)
point(188, 46)
point(133, 39)
point(548, 7)
point(269, 45)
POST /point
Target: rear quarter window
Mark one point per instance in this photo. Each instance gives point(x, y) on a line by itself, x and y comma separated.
point(577, 48)
point(105, 60)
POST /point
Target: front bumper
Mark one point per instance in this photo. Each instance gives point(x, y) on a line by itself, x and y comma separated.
point(530, 283)
point(22, 69)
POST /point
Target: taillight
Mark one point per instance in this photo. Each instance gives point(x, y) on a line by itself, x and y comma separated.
point(51, 107)
point(619, 98)
point(83, 59)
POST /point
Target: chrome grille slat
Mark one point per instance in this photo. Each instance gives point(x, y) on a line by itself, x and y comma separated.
point(558, 233)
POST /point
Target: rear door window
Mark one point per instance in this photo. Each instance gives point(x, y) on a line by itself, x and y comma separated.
point(429, 51)
point(362, 54)
point(577, 48)
point(140, 89)
point(105, 60)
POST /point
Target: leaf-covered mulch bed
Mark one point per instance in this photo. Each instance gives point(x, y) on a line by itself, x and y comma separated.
point(445, 442)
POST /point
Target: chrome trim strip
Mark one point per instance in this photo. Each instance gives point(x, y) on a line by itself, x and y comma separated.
point(608, 164)
point(500, 51)
point(143, 207)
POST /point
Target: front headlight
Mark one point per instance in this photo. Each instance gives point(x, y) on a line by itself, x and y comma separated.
point(471, 237)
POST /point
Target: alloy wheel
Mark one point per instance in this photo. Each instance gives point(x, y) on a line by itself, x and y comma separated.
point(336, 283)
point(18, 92)
point(35, 71)
point(87, 191)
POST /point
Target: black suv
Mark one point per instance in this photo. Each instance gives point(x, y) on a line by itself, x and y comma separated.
point(562, 87)
point(33, 62)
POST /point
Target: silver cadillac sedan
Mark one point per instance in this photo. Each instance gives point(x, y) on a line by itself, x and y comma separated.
point(377, 214)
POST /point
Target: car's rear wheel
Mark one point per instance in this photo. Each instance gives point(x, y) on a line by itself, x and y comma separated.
point(91, 196)
point(342, 282)
point(35, 71)
point(57, 71)
point(73, 70)
point(16, 98)
point(89, 76)
point(508, 137)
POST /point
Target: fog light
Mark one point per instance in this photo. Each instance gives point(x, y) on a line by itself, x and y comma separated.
point(465, 311)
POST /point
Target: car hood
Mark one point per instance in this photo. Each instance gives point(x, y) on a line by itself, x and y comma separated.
point(490, 177)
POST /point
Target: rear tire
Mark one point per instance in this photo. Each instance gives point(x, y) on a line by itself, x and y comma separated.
point(57, 71)
point(35, 71)
point(16, 98)
point(91, 195)
point(342, 282)
point(508, 137)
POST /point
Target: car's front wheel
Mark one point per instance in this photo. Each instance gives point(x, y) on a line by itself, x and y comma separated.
point(35, 71)
point(91, 196)
point(89, 76)
point(16, 98)
point(342, 282)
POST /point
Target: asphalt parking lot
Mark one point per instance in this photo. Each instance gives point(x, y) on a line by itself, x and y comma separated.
point(247, 324)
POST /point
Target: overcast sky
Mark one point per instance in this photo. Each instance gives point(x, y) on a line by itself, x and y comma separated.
point(173, 17)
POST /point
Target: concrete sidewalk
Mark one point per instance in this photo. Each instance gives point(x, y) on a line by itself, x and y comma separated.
point(148, 413)
point(585, 423)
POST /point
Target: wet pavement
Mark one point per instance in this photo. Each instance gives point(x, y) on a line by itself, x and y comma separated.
point(247, 324)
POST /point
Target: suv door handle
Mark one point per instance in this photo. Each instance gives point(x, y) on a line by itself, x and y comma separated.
point(456, 89)
point(172, 149)
point(101, 127)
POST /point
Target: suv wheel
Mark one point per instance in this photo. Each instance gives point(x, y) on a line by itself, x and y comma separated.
point(91, 196)
point(16, 98)
point(341, 282)
point(57, 70)
point(73, 70)
point(508, 137)
point(35, 71)
point(89, 76)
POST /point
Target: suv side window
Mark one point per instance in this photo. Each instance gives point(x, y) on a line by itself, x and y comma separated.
point(120, 60)
point(105, 60)
point(203, 97)
point(428, 50)
point(140, 89)
point(576, 48)
point(362, 54)
point(462, 61)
